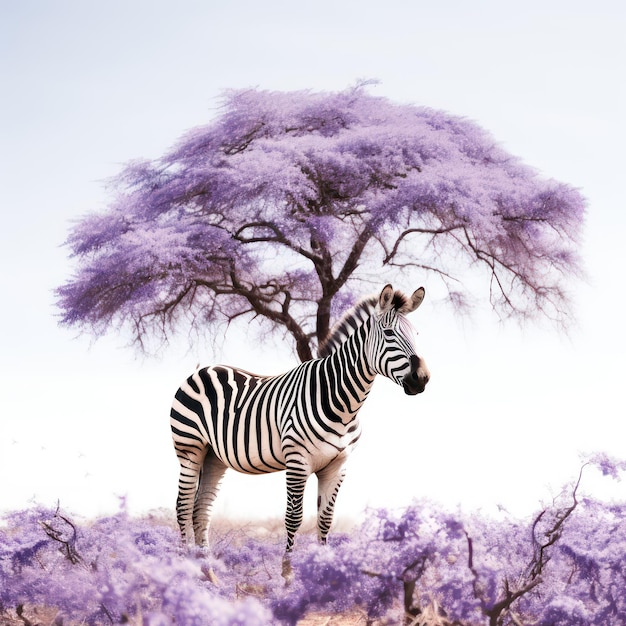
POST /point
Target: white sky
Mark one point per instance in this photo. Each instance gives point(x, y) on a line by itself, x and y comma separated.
point(88, 86)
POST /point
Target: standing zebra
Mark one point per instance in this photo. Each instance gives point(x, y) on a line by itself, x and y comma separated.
point(304, 421)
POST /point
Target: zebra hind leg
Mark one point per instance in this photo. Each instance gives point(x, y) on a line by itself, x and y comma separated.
point(328, 482)
point(210, 477)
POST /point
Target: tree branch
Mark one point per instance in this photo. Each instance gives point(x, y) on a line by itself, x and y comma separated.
point(68, 544)
point(421, 231)
point(282, 316)
point(279, 237)
point(352, 262)
point(532, 577)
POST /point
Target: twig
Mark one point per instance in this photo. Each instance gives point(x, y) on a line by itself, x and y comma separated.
point(19, 609)
point(68, 545)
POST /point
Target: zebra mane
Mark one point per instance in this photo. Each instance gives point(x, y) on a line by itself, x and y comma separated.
point(351, 320)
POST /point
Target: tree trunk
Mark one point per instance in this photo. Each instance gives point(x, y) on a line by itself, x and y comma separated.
point(322, 327)
point(303, 349)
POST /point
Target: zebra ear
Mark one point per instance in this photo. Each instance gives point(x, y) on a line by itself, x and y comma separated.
point(416, 299)
point(386, 295)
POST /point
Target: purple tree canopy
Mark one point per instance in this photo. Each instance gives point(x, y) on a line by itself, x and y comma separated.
point(288, 204)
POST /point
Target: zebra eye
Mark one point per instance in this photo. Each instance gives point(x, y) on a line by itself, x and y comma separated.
point(389, 332)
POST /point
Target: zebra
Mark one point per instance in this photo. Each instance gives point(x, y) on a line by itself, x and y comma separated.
point(304, 421)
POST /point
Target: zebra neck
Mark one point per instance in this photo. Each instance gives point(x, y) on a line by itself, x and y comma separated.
point(354, 375)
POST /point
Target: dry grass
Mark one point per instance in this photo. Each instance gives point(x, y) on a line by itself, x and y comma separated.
point(346, 619)
point(430, 616)
point(45, 616)
point(30, 616)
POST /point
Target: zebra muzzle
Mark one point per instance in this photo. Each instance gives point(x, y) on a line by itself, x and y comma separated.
point(415, 381)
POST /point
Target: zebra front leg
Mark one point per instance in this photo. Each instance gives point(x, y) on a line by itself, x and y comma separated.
point(297, 476)
point(296, 481)
point(210, 477)
point(190, 466)
point(329, 480)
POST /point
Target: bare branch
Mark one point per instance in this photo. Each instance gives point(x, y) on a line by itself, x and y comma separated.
point(68, 542)
point(260, 305)
point(541, 556)
point(422, 231)
point(352, 262)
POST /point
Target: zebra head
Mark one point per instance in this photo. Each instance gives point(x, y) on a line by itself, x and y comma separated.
point(390, 347)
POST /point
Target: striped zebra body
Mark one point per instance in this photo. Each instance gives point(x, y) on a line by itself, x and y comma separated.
point(304, 421)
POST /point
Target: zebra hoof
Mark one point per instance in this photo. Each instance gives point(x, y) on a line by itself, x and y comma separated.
point(287, 572)
point(199, 552)
point(210, 575)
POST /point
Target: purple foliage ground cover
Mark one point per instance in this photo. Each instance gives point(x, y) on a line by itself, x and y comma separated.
point(564, 566)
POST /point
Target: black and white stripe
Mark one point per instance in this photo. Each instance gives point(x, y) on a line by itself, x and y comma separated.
point(304, 421)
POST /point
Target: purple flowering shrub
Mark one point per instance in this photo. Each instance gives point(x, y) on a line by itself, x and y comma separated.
point(565, 566)
point(116, 570)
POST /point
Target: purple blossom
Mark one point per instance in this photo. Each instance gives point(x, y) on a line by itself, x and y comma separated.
point(609, 466)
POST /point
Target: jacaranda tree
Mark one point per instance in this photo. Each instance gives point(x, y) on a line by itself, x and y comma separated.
point(287, 205)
